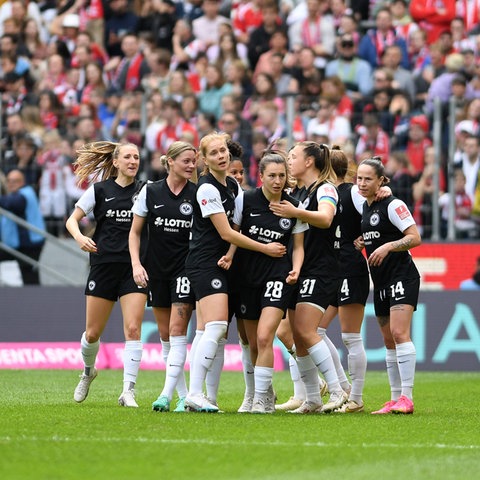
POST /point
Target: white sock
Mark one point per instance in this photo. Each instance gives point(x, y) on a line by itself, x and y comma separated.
point(248, 372)
point(174, 365)
point(406, 359)
point(89, 353)
point(357, 364)
point(193, 348)
point(342, 378)
point(309, 376)
point(298, 385)
point(132, 356)
point(322, 358)
point(204, 354)
point(263, 380)
point(165, 350)
point(393, 374)
point(212, 380)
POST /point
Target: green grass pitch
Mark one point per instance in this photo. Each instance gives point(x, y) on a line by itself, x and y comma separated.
point(44, 434)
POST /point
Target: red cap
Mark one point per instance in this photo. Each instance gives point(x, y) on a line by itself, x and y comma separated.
point(421, 121)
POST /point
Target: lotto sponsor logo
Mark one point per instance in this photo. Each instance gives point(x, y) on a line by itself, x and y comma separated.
point(402, 212)
point(265, 233)
point(120, 215)
point(204, 201)
point(371, 235)
point(172, 222)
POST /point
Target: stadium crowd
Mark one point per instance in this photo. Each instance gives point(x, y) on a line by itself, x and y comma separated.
point(363, 75)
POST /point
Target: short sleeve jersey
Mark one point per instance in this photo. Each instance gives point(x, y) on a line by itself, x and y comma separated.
point(259, 223)
point(321, 256)
point(382, 222)
point(111, 205)
point(206, 246)
point(169, 220)
point(352, 263)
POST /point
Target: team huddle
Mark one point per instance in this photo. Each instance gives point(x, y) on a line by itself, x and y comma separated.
point(283, 259)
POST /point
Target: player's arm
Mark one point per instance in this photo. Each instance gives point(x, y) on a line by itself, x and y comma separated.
point(298, 255)
point(134, 237)
point(227, 233)
point(73, 227)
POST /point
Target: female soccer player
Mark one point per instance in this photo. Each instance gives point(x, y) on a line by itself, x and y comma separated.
point(267, 282)
point(166, 207)
point(310, 164)
point(110, 275)
point(211, 237)
point(389, 232)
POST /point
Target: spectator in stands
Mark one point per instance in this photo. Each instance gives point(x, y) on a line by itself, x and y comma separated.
point(21, 11)
point(333, 87)
point(119, 21)
point(402, 20)
point(231, 122)
point(304, 70)
point(227, 51)
point(66, 27)
point(417, 143)
point(158, 78)
point(247, 17)
point(423, 190)
point(402, 78)
point(33, 123)
point(373, 140)
point(337, 127)
point(25, 159)
point(186, 48)
point(377, 39)
point(469, 163)
point(472, 283)
point(53, 183)
point(21, 200)
point(210, 99)
point(162, 23)
point(15, 128)
point(441, 86)
point(259, 39)
point(132, 67)
point(398, 169)
point(264, 91)
point(316, 31)
point(355, 73)
point(206, 27)
point(175, 126)
point(464, 226)
point(432, 17)
point(269, 122)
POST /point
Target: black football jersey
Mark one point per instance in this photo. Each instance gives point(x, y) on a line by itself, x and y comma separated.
point(259, 223)
point(169, 220)
point(112, 208)
point(321, 244)
point(382, 222)
point(352, 263)
point(206, 246)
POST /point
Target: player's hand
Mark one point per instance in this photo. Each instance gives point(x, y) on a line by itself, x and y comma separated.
point(225, 262)
point(86, 244)
point(275, 249)
point(376, 258)
point(358, 243)
point(292, 277)
point(283, 209)
point(140, 275)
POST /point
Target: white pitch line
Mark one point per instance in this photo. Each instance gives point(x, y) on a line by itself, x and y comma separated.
point(236, 443)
